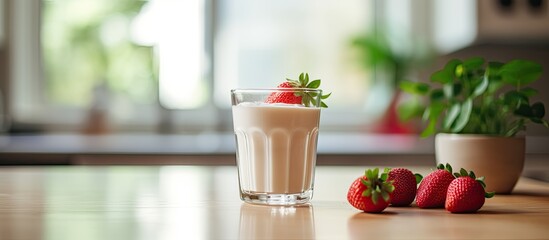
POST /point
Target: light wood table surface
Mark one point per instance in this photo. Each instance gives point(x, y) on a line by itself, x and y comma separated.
point(201, 202)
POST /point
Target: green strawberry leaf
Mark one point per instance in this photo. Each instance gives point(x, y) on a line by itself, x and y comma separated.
point(448, 167)
point(313, 101)
point(463, 172)
point(389, 187)
point(375, 173)
point(326, 96)
point(323, 105)
point(375, 196)
point(377, 186)
point(440, 166)
point(367, 193)
point(385, 196)
point(309, 98)
point(383, 177)
point(482, 183)
point(314, 84)
point(301, 79)
point(418, 178)
point(472, 175)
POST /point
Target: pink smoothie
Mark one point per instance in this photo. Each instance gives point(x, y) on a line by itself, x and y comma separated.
point(276, 147)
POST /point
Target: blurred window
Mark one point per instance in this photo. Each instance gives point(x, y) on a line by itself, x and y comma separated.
point(146, 64)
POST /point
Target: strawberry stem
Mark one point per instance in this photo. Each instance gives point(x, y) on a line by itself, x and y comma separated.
point(463, 173)
point(309, 98)
point(377, 186)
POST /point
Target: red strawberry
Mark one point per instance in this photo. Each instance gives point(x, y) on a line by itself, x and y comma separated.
point(307, 98)
point(432, 189)
point(466, 193)
point(370, 193)
point(405, 183)
point(284, 97)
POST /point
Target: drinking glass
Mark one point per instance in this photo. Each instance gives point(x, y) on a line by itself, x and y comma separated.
point(276, 144)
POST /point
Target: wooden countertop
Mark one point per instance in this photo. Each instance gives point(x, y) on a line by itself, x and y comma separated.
point(201, 202)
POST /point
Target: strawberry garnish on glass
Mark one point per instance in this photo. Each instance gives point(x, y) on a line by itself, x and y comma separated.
point(307, 98)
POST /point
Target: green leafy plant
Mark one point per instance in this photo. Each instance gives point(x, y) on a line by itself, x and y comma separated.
point(476, 97)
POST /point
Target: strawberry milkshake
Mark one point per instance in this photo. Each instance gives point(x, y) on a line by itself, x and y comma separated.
point(276, 136)
point(276, 147)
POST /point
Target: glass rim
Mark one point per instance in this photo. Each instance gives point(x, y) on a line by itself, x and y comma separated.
point(275, 90)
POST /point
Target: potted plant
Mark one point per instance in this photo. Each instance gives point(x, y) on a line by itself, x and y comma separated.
point(476, 109)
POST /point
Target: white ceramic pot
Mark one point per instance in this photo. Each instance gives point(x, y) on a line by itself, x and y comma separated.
point(499, 159)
